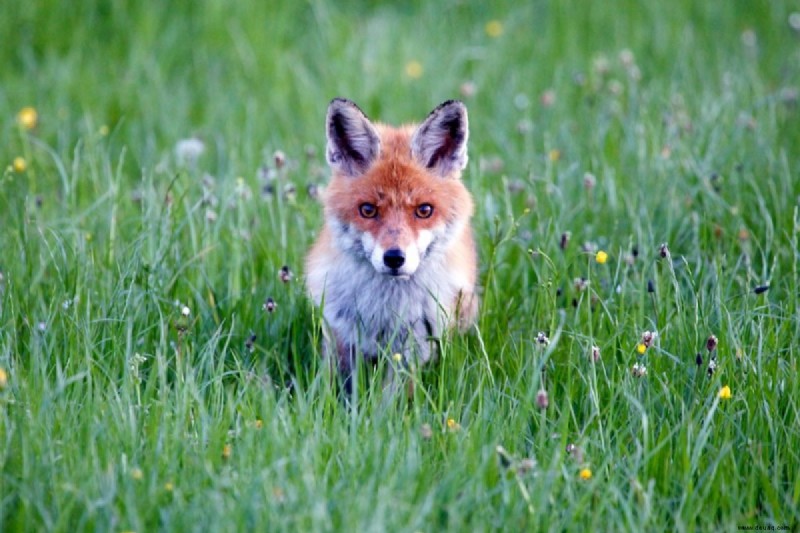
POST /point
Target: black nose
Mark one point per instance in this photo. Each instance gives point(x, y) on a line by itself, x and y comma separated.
point(394, 258)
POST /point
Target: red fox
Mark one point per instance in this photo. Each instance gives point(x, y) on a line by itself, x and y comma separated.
point(394, 266)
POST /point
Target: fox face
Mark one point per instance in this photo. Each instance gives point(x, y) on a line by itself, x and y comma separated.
point(394, 266)
point(395, 194)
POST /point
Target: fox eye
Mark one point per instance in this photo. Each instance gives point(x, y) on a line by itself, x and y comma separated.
point(368, 210)
point(424, 211)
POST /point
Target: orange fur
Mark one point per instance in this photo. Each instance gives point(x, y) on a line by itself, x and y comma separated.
point(369, 307)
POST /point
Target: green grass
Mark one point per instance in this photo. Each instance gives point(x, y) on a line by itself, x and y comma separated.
point(117, 411)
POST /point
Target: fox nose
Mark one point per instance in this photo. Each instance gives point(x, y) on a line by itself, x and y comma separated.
point(394, 258)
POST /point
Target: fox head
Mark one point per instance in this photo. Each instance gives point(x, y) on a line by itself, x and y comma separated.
point(396, 196)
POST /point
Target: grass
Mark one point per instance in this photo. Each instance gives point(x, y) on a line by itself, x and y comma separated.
point(119, 412)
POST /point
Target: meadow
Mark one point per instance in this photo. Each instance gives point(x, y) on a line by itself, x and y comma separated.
point(636, 172)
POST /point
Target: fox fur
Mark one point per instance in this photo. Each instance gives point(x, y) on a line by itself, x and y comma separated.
point(394, 267)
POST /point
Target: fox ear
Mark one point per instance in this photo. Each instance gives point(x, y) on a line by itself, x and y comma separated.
point(440, 143)
point(353, 143)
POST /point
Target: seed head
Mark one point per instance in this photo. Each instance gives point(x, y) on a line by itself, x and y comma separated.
point(761, 289)
point(289, 191)
point(580, 284)
point(542, 339)
point(269, 305)
point(564, 241)
point(425, 431)
point(503, 456)
point(595, 354)
point(794, 21)
point(712, 367)
point(648, 337)
point(699, 359)
point(663, 250)
point(548, 98)
point(589, 181)
point(279, 158)
point(651, 288)
point(575, 452)
point(542, 401)
point(468, 89)
point(285, 274)
point(188, 151)
point(639, 371)
point(711, 343)
point(251, 342)
point(526, 465)
point(185, 311)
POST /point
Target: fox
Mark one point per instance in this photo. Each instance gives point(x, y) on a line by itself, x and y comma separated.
point(394, 267)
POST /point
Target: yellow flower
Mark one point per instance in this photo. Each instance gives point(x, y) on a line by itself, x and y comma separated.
point(452, 425)
point(259, 424)
point(414, 69)
point(641, 348)
point(554, 155)
point(137, 474)
point(494, 28)
point(168, 486)
point(3, 378)
point(28, 117)
point(226, 451)
point(601, 257)
point(585, 474)
point(397, 357)
point(725, 393)
point(20, 165)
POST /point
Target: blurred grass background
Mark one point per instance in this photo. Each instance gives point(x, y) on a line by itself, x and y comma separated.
point(117, 412)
